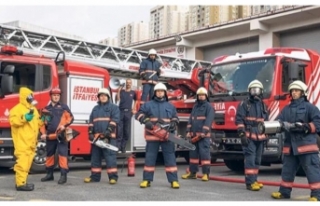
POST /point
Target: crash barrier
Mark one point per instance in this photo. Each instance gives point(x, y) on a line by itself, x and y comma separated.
point(238, 180)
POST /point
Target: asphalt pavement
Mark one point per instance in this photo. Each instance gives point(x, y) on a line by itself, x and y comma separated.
point(127, 188)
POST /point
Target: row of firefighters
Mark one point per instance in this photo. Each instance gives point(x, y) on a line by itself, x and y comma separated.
point(300, 122)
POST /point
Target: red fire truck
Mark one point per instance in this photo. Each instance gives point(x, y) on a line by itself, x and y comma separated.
point(227, 83)
point(79, 68)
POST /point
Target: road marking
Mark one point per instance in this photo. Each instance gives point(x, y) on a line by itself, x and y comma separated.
point(305, 197)
point(6, 198)
point(38, 200)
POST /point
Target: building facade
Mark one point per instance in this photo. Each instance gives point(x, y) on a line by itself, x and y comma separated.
point(133, 32)
point(297, 26)
point(110, 41)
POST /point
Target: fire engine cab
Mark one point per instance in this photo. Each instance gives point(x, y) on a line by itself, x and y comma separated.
point(42, 61)
point(227, 83)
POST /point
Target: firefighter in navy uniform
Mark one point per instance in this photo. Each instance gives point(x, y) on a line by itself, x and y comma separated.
point(159, 110)
point(199, 124)
point(249, 113)
point(60, 118)
point(301, 123)
point(102, 124)
point(149, 72)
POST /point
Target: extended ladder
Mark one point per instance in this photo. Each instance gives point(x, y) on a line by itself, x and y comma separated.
point(118, 61)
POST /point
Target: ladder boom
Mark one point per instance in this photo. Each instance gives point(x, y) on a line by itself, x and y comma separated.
point(118, 61)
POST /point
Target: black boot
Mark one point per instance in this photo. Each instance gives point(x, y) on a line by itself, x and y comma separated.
point(63, 179)
point(26, 187)
point(48, 177)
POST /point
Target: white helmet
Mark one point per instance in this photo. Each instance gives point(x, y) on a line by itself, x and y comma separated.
point(160, 86)
point(104, 91)
point(299, 85)
point(255, 84)
point(152, 51)
point(202, 90)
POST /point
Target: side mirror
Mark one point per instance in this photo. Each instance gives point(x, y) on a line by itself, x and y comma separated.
point(6, 84)
point(294, 69)
point(9, 69)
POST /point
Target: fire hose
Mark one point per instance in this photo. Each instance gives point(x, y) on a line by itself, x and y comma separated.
point(238, 180)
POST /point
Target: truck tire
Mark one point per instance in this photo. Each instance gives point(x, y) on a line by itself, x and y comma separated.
point(235, 165)
point(38, 164)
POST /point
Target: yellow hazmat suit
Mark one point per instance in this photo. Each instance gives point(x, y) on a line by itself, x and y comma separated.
point(24, 134)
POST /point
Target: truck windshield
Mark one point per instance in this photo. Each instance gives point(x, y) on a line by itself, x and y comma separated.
point(234, 77)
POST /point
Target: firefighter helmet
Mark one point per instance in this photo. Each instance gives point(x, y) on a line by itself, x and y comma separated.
point(104, 91)
point(152, 51)
point(160, 86)
point(299, 85)
point(255, 84)
point(202, 90)
point(55, 90)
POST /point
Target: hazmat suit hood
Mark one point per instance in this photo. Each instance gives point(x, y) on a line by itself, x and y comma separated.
point(26, 94)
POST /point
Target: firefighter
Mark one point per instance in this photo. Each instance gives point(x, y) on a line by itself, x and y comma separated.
point(149, 72)
point(125, 97)
point(54, 124)
point(199, 125)
point(300, 122)
point(102, 124)
point(249, 113)
point(25, 123)
point(159, 110)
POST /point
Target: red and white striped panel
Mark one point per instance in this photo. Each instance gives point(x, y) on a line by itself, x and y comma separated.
point(274, 110)
point(314, 89)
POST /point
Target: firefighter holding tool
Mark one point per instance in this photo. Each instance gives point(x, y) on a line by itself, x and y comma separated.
point(25, 123)
point(102, 125)
point(149, 72)
point(57, 118)
point(159, 111)
point(199, 131)
point(300, 122)
point(250, 113)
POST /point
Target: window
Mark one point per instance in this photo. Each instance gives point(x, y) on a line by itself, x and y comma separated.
point(285, 77)
point(236, 76)
point(35, 77)
point(46, 82)
point(24, 75)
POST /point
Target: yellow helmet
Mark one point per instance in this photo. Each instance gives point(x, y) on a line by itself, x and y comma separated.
point(299, 85)
point(202, 90)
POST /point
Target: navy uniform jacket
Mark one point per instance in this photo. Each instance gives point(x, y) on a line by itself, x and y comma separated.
point(201, 118)
point(147, 68)
point(249, 113)
point(301, 142)
point(157, 110)
point(104, 116)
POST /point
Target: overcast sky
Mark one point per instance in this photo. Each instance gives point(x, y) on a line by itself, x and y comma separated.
point(90, 22)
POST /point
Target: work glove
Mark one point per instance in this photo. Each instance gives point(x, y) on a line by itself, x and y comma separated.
point(244, 139)
point(287, 126)
point(28, 117)
point(91, 137)
point(202, 135)
point(107, 133)
point(149, 125)
point(188, 135)
point(302, 127)
point(173, 126)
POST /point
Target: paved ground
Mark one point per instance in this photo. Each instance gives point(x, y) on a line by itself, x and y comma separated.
point(128, 189)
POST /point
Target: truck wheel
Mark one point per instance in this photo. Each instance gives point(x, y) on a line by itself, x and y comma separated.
point(235, 165)
point(38, 164)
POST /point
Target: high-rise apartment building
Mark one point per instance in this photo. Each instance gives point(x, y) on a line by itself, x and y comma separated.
point(167, 19)
point(133, 32)
point(110, 41)
point(256, 9)
point(203, 15)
